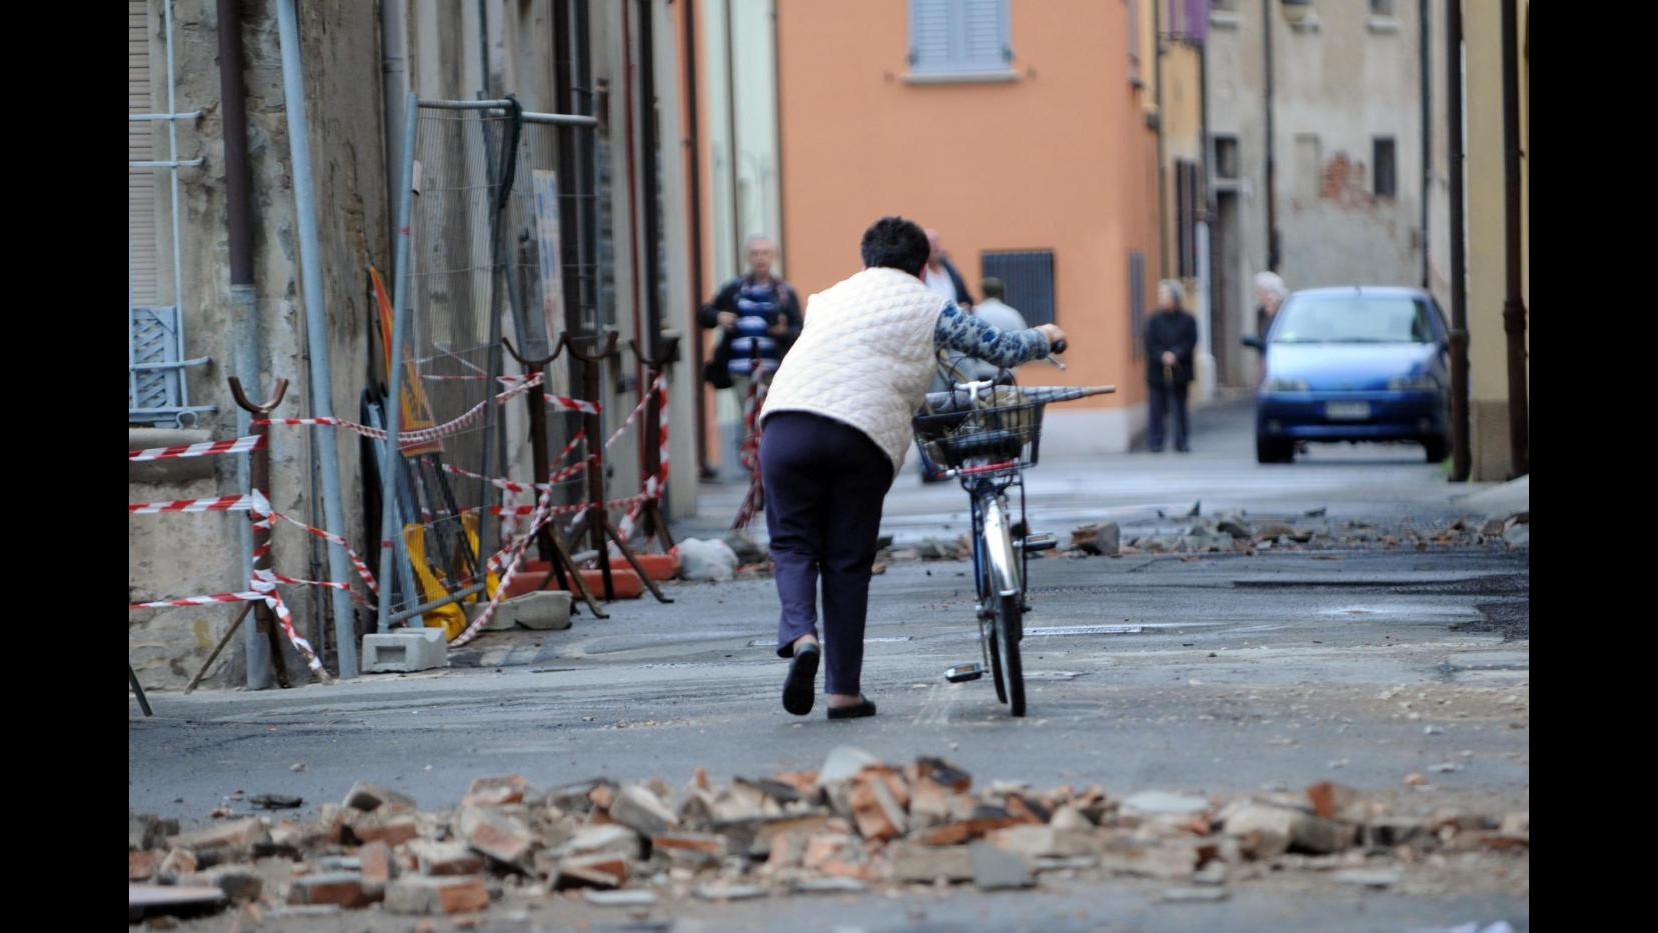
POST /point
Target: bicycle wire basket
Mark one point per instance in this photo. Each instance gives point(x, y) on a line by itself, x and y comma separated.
point(1008, 431)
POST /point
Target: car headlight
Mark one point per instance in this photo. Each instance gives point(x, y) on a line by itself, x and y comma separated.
point(1284, 384)
point(1413, 384)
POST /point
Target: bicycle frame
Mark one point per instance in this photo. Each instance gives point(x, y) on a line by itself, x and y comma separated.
point(997, 570)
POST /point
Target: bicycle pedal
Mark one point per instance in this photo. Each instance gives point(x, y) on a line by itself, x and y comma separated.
point(1046, 541)
point(962, 673)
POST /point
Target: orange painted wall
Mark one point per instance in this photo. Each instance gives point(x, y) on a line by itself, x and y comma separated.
point(1059, 159)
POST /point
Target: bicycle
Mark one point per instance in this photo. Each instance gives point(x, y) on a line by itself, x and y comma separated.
point(986, 435)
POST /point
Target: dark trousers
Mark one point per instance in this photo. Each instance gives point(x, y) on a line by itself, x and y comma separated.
point(1163, 395)
point(825, 482)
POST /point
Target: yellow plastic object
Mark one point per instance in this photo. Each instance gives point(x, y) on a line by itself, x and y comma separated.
point(451, 618)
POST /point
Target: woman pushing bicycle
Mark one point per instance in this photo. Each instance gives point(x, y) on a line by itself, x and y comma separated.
point(837, 424)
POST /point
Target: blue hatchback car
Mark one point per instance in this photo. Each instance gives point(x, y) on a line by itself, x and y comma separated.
point(1357, 363)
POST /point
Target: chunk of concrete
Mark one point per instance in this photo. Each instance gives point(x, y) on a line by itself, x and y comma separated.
point(542, 610)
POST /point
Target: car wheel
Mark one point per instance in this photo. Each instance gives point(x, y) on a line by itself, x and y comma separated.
point(1274, 450)
point(1435, 449)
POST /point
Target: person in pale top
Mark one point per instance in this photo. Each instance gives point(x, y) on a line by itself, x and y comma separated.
point(837, 427)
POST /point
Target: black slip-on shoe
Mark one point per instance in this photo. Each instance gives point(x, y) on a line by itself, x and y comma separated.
point(864, 707)
point(801, 685)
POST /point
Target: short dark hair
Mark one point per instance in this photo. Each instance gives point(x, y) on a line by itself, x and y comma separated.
point(992, 287)
point(895, 243)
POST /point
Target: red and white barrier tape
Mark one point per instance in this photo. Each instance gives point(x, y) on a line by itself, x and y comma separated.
point(574, 404)
point(407, 438)
point(264, 590)
point(262, 506)
point(517, 549)
point(198, 600)
point(750, 456)
point(570, 448)
point(513, 486)
point(568, 509)
point(264, 582)
point(633, 415)
point(356, 597)
point(214, 504)
point(557, 401)
point(656, 485)
point(239, 445)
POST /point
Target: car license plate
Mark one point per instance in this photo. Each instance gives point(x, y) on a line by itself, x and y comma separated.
point(1347, 411)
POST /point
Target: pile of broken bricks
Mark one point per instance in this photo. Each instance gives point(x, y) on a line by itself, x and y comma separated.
point(1238, 533)
point(853, 824)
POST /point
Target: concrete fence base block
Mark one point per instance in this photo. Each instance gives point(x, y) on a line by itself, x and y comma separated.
point(407, 650)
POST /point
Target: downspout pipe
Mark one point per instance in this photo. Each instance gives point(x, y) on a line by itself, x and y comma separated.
point(1514, 306)
point(1162, 168)
point(1423, 13)
point(246, 350)
point(1461, 452)
point(1206, 213)
point(316, 326)
point(1271, 145)
point(394, 69)
point(633, 111)
point(649, 143)
point(588, 166)
point(693, 151)
point(733, 154)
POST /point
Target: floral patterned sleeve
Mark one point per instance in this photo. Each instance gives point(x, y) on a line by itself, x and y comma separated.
point(967, 334)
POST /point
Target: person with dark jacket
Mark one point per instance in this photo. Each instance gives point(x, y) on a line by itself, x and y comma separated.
point(940, 273)
point(755, 312)
point(1171, 338)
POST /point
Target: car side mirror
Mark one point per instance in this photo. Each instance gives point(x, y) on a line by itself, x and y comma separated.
point(1255, 342)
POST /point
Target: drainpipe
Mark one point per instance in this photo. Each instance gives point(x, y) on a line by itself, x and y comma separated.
point(1514, 307)
point(1427, 133)
point(244, 311)
point(732, 155)
point(649, 144)
point(1162, 169)
point(569, 221)
point(1272, 168)
point(1461, 454)
point(316, 327)
point(1206, 213)
point(587, 149)
point(394, 68)
point(777, 123)
point(693, 148)
point(635, 292)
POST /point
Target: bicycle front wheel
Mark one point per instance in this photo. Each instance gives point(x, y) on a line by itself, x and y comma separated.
point(995, 658)
point(1004, 653)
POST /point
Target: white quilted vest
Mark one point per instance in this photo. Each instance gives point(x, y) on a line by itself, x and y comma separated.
point(865, 357)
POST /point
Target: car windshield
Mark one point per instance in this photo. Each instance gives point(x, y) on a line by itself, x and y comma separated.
point(1353, 319)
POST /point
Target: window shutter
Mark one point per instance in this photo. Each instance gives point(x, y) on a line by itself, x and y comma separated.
point(141, 238)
